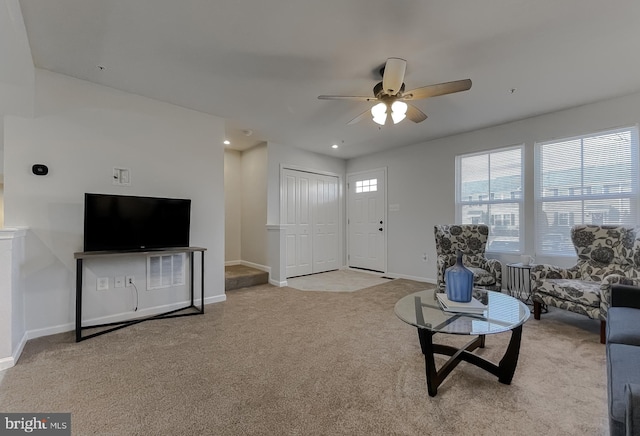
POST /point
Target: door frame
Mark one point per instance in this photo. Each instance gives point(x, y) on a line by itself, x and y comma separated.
point(341, 199)
point(385, 213)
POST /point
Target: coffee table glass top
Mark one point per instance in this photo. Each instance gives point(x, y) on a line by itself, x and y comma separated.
point(503, 313)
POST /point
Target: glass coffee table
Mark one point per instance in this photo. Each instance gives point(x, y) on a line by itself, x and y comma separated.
point(504, 313)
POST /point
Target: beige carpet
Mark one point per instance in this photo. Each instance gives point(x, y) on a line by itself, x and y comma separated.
point(278, 361)
point(344, 280)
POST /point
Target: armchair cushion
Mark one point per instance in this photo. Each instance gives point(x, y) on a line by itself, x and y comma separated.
point(604, 244)
point(622, 369)
point(596, 271)
point(632, 401)
point(574, 291)
point(482, 277)
point(622, 323)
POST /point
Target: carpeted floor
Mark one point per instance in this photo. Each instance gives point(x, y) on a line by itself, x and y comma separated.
point(278, 361)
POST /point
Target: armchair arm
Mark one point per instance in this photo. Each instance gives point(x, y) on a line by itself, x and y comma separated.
point(632, 402)
point(541, 272)
point(628, 293)
point(494, 266)
point(442, 263)
point(625, 296)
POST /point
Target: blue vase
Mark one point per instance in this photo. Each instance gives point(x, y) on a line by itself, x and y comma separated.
point(459, 281)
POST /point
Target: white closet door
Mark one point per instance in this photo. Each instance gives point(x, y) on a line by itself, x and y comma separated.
point(326, 246)
point(297, 217)
point(311, 213)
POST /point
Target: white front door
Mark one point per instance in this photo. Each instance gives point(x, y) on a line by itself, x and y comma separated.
point(310, 210)
point(366, 198)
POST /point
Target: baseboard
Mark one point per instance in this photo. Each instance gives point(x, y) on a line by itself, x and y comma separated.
point(216, 299)
point(256, 266)
point(8, 362)
point(277, 283)
point(63, 328)
point(366, 271)
point(232, 262)
point(38, 333)
point(408, 277)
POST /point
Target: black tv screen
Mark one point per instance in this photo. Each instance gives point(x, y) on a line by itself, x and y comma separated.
point(123, 222)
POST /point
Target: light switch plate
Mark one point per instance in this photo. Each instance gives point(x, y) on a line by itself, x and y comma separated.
point(103, 283)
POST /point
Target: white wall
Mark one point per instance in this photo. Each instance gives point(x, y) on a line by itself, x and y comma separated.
point(81, 131)
point(421, 177)
point(16, 68)
point(232, 205)
point(254, 205)
point(12, 328)
point(1, 203)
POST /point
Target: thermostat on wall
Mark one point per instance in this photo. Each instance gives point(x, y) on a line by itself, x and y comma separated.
point(40, 170)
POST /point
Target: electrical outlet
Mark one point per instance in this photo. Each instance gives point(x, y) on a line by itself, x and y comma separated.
point(119, 282)
point(103, 283)
point(425, 257)
point(130, 280)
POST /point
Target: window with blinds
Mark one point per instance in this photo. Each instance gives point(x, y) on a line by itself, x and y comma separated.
point(590, 179)
point(489, 190)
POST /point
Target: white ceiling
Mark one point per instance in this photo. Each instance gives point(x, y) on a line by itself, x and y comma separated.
point(261, 64)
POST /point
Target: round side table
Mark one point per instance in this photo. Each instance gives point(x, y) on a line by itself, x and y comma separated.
point(519, 281)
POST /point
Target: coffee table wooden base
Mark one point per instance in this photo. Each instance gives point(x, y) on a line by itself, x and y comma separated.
point(504, 370)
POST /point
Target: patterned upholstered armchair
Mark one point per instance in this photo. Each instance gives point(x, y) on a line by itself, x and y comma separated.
point(471, 239)
point(607, 255)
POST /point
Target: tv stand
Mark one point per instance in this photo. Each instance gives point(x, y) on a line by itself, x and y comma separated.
point(193, 309)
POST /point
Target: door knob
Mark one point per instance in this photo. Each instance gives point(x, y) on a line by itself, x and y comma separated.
point(380, 221)
point(380, 229)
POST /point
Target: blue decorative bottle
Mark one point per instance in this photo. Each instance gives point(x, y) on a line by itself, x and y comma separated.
point(459, 281)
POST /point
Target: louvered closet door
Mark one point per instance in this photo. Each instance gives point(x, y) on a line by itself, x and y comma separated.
point(311, 213)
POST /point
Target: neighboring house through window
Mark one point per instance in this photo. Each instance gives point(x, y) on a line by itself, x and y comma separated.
point(588, 179)
point(489, 191)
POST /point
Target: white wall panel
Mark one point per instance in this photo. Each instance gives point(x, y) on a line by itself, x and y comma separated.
point(81, 132)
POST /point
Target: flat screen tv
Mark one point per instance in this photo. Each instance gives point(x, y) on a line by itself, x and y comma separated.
point(129, 223)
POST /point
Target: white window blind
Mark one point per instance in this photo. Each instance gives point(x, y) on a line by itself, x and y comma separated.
point(489, 191)
point(589, 179)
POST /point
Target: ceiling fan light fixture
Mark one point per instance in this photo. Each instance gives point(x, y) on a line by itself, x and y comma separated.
point(398, 111)
point(379, 113)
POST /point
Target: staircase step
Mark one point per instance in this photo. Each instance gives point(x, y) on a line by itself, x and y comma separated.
point(241, 276)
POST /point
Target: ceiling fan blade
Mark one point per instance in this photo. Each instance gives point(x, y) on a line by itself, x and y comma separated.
point(359, 117)
point(415, 114)
point(393, 75)
point(346, 97)
point(438, 89)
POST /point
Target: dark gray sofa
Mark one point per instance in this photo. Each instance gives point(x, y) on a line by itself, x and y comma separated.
point(623, 361)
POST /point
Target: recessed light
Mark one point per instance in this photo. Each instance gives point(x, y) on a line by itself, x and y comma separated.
point(334, 146)
point(227, 142)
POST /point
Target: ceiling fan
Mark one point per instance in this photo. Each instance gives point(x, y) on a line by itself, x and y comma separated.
point(392, 97)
